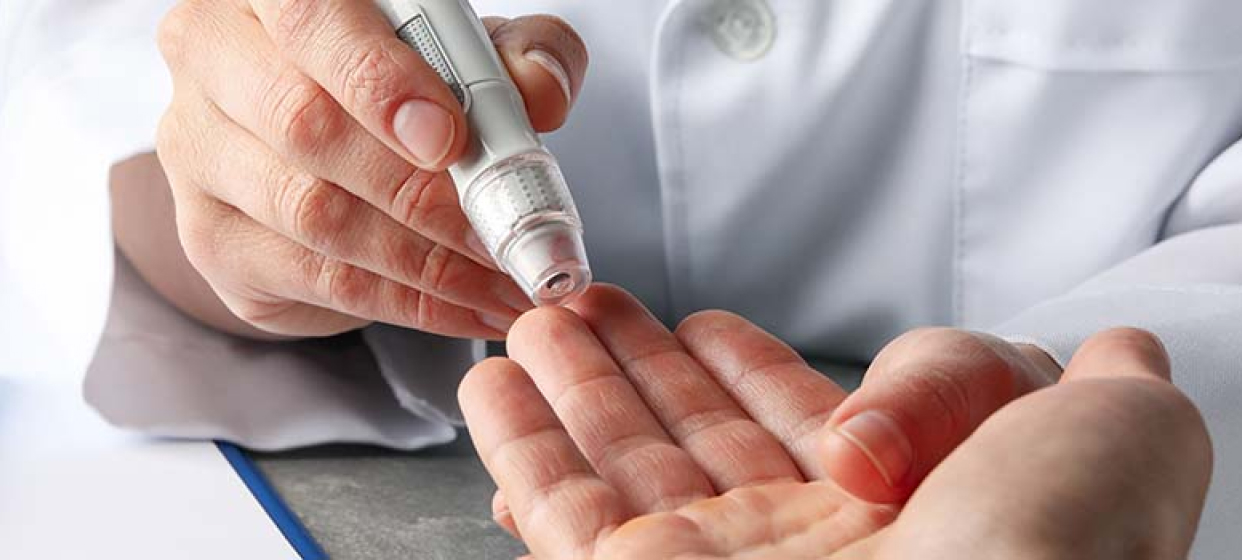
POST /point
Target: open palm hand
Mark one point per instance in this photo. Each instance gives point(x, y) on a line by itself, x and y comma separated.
point(610, 417)
point(611, 437)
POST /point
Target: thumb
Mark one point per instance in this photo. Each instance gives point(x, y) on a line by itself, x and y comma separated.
point(547, 60)
point(923, 396)
point(1112, 462)
point(1123, 352)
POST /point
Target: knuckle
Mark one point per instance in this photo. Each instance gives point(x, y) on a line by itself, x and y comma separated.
point(928, 333)
point(1133, 337)
point(179, 148)
point(372, 75)
point(304, 116)
point(340, 284)
point(552, 32)
point(483, 377)
point(294, 19)
point(425, 313)
point(315, 211)
point(202, 240)
point(1188, 419)
point(435, 265)
point(166, 134)
point(174, 31)
point(983, 351)
point(196, 242)
point(570, 42)
point(398, 258)
point(408, 202)
point(256, 313)
point(946, 396)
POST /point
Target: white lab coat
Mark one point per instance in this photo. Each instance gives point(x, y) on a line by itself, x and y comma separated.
point(1040, 170)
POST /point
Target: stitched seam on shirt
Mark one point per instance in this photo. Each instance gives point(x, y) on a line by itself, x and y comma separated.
point(1093, 43)
point(1195, 290)
point(683, 209)
point(959, 189)
point(1162, 69)
point(1130, 289)
point(680, 266)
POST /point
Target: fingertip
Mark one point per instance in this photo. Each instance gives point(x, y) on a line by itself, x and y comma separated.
point(537, 327)
point(555, 69)
point(492, 23)
point(538, 76)
point(547, 60)
point(1121, 352)
point(706, 323)
point(484, 377)
point(603, 300)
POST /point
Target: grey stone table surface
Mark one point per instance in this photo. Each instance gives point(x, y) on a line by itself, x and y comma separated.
point(369, 503)
point(365, 502)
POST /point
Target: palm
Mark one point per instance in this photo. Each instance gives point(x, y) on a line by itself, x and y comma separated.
point(784, 520)
point(610, 422)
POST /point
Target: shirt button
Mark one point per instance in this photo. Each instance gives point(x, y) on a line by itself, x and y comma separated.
point(743, 29)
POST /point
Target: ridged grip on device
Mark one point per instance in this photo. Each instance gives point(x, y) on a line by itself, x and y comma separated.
point(418, 34)
point(523, 212)
point(515, 192)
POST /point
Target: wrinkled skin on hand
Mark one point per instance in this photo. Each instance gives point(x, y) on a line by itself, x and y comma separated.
point(305, 148)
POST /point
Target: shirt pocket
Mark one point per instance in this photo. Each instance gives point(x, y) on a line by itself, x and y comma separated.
point(1107, 35)
point(1081, 123)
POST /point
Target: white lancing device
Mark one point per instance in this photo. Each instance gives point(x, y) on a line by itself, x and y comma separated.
point(511, 187)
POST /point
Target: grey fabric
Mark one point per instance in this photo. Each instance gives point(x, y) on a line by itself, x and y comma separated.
point(158, 371)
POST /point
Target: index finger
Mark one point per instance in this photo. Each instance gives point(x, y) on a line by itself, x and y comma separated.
point(350, 49)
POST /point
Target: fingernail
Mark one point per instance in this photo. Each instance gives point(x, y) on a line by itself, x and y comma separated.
point(476, 245)
point(881, 440)
point(498, 323)
point(425, 129)
point(552, 66)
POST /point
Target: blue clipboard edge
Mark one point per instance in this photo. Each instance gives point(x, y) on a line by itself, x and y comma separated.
point(288, 524)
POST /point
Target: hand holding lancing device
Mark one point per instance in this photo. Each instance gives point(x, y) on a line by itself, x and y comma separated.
point(305, 147)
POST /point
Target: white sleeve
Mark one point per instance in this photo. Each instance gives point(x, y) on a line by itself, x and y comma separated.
point(1188, 290)
point(158, 372)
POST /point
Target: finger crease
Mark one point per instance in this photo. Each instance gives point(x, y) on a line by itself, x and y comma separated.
point(582, 384)
point(619, 449)
point(698, 422)
point(523, 437)
point(409, 197)
point(631, 361)
point(761, 370)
